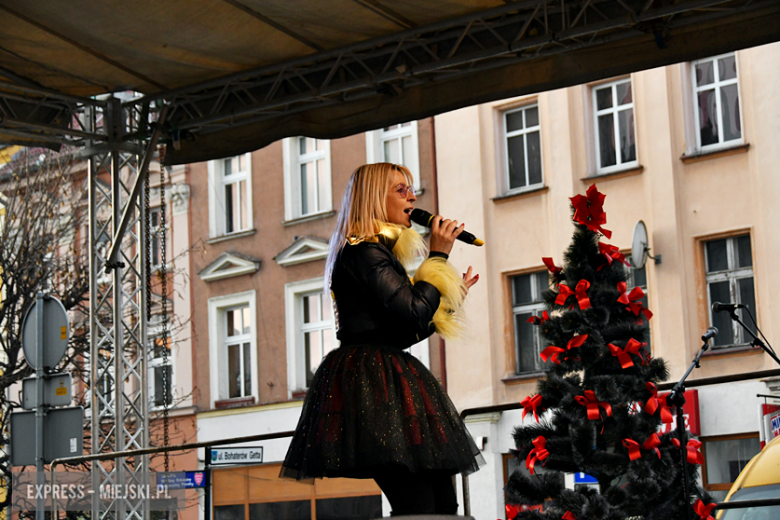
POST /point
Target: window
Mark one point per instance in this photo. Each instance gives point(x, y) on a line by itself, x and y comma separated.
point(716, 99)
point(311, 332)
point(526, 302)
point(729, 273)
point(161, 372)
point(307, 177)
point(638, 278)
point(230, 200)
point(395, 144)
point(613, 111)
point(724, 458)
point(523, 148)
point(232, 346)
point(156, 231)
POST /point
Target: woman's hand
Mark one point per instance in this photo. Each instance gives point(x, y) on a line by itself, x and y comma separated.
point(443, 234)
point(470, 280)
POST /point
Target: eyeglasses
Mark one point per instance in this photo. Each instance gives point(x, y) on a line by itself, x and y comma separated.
point(403, 190)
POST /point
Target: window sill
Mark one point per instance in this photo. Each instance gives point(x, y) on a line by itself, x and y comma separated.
point(619, 174)
point(235, 402)
point(309, 218)
point(520, 194)
point(240, 234)
point(519, 379)
point(714, 154)
point(733, 351)
point(298, 394)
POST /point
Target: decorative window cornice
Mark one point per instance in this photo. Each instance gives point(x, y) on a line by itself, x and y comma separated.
point(228, 265)
point(304, 249)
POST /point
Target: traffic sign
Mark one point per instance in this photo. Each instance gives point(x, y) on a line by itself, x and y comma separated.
point(56, 391)
point(55, 333)
point(63, 435)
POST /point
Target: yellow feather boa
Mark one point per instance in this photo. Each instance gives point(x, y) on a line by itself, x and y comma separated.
point(407, 245)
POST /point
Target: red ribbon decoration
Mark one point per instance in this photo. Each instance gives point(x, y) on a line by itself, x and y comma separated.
point(633, 300)
point(531, 403)
point(511, 511)
point(592, 404)
point(582, 297)
point(539, 453)
point(568, 516)
point(554, 269)
point(693, 455)
point(611, 253)
point(589, 210)
point(553, 353)
point(655, 402)
point(576, 341)
point(633, 449)
point(652, 443)
point(536, 320)
point(703, 511)
point(632, 347)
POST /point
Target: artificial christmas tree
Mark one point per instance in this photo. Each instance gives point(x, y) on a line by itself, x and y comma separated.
point(600, 396)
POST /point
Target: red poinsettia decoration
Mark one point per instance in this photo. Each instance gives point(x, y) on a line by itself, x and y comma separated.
point(589, 210)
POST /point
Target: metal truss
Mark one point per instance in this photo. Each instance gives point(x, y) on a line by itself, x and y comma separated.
point(516, 32)
point(118, 336)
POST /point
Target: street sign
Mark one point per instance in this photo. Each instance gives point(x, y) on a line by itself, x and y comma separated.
point(63, 435)
point(220, 456)
point(55, 333)
point(56, 391)
point(182, 479)
point(584, 478)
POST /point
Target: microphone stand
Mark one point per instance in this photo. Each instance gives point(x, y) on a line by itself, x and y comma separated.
point(756, 341)
point(677, 398)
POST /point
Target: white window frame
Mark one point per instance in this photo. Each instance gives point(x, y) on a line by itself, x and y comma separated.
point(218, 361)
point(506, 135)
point(216, 186)
point(296, 360)
point(717, 86)
point(536, 309)
point(375, 148)
point(731, 275)
point(613, 110)
point(292, 159)
point(155, 235)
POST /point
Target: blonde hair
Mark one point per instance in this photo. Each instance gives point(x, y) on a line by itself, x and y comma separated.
point(362, 204)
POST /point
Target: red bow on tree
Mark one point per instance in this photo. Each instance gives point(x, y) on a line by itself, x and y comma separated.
point(582, 297)
point(633, 300)
point(591, 403)
point(611, 253)
point(511, 511)
point(693, 455)
point(554, 352)
point(652, 443)
point(568, 516)
point(536, 320)
point(538, 453)
point(531, 404)
point(589, 210)
point(655, 402)
point(632, 347)
point(703, 511)
point(554, 269)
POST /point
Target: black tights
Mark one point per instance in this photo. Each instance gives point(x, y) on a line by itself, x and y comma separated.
point(428, 492)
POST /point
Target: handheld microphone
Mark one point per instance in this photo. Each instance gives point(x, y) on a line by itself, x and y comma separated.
point(422, 217)
point(711, 333)
point(730, 307)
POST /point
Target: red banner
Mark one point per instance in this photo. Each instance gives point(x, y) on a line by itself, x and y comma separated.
point(690, 413)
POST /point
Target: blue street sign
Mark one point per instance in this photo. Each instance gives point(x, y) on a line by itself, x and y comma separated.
point(182, 479)
point(582, 478)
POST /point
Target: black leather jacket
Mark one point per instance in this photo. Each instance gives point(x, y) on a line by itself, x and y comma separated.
point(375, 300)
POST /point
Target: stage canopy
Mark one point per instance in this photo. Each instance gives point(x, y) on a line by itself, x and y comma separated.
point(240, 74)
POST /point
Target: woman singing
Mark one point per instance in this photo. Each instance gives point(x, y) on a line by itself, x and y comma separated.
point(373, 410)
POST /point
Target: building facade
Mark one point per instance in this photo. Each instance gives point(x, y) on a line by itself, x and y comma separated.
point(689, 149)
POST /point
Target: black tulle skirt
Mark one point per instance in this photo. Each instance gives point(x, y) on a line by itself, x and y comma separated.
point(370, 407)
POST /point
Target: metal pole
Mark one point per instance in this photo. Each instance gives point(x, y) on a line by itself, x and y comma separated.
point(207, 489)
point(40, 412)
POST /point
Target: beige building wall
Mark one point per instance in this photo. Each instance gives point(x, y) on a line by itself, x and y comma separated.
point(683, 196)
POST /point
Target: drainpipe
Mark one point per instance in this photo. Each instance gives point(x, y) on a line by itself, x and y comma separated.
point(435, 190)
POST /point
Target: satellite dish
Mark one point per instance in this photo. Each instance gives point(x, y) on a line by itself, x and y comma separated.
point(640, 248)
